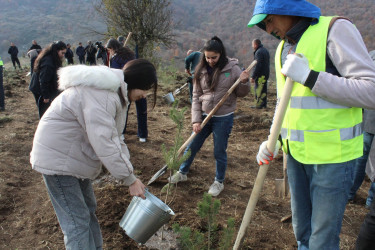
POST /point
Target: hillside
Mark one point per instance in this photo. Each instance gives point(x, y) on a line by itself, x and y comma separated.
point(228, 20)
point(71, 21)
point(46, 21)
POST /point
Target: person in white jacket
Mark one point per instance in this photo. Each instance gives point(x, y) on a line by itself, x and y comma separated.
point(81, 131)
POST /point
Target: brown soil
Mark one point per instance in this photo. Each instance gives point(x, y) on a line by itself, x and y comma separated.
point(27, 218)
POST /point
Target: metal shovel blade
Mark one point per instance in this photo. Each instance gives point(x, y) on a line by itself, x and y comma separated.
point(281, 185)
point(177, 91)
point(158, 174)
point(280, 190)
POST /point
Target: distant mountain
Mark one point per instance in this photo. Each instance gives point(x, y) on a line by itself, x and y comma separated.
point(198, 20)
point(46, 21)
point(201, 19)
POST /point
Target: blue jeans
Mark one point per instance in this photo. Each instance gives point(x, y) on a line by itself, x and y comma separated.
point(370, 195)
point(319, 194)
point(360, 167)
point(75, 204)
point(190, 81)
point(221, 128)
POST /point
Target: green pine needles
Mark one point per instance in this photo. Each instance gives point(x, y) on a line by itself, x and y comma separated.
point(208, 210)
point(172, 157)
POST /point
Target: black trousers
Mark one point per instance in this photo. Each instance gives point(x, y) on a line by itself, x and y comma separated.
point(14, 61)
point(366, 237)
point(42, 107)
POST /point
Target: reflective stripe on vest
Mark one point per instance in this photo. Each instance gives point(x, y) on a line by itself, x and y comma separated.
point(345, 133)
point(318, 131)
point(313, 102)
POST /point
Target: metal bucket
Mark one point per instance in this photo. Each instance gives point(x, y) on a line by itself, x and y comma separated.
point(143, 218)
point(169, 98)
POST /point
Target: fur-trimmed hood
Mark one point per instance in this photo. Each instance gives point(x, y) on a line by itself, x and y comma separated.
point(100, 77)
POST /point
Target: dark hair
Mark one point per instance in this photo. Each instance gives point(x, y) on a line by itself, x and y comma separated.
point(215, 45)
point(53, 50)
point(121, 39)
point(257, 42)
point(122, 52)
point(141, 74)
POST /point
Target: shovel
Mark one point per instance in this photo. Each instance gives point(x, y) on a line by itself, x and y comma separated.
point(177, 91)
point(127, 38)
point(281, 186)
point(208, 117)
point(272, 139)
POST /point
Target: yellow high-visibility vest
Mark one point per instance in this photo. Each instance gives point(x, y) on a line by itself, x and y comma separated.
point(316, 130)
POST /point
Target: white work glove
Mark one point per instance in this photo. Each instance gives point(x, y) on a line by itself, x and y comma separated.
point(296, 67)
point(264, 156)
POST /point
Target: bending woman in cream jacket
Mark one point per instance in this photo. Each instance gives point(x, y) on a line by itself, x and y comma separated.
point(80, 132)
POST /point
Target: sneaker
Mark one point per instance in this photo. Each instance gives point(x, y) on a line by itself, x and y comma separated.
point(216, 188)
point(142, 139)
point(177, 177)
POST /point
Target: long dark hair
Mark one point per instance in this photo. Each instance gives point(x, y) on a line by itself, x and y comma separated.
point(53, 50)
point(213, 45)
point(141, 74)
point(122, 52)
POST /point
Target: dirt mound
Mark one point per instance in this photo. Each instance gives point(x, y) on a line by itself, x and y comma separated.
point(27, 218)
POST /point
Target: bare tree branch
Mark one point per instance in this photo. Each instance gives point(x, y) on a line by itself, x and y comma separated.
point(150, 21)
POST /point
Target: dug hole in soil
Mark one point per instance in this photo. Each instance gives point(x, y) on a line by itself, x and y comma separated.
point(28, 221)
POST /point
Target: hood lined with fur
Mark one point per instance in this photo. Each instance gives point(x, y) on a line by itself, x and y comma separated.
point(100, 77)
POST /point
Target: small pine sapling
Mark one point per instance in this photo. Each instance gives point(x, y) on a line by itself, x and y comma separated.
point(227, 236)
point(187, 239)
point(208, 210)
point(172, 157)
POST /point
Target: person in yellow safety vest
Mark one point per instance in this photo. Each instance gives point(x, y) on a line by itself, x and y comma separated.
point(2, 97)
point(334, 77)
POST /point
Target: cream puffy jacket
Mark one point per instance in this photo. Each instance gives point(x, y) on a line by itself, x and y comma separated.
point(82, 127)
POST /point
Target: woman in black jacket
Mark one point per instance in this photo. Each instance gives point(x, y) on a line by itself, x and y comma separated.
point(44, 82)
point(119, 56)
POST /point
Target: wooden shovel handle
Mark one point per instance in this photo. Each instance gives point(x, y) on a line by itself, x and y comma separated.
point(127, 38)
point(218, 105)
point(272, 138)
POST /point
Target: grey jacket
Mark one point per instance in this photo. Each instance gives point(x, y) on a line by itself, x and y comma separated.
point(369, 127)
point(346, 49)
point(369, 121)
point(370, 166)
point(204, 100)
point(82, 127)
